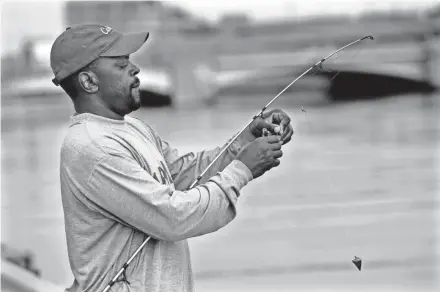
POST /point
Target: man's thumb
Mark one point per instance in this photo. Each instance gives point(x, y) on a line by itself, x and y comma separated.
point(274, 128)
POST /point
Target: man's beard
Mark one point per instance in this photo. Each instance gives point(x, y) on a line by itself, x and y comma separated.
point(135, 98)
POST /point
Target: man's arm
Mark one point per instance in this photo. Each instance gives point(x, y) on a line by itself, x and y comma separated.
point(186, 168)
point(120, 186)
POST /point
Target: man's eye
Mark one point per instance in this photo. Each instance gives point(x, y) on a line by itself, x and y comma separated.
point(122, 66)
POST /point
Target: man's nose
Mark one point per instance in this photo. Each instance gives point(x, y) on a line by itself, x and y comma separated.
point(135, 70)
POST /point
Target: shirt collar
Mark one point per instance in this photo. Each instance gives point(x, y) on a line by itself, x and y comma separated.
point(78, 118)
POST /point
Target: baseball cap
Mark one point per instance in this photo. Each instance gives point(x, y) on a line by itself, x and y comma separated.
point(80, 45)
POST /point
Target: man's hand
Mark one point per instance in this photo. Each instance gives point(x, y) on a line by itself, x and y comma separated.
point(261, 154)
point(276, 121)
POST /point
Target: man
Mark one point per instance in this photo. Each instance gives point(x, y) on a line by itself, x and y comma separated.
point(120, 182)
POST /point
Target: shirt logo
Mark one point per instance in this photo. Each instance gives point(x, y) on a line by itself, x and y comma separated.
point(106, 29)
point(164, 176)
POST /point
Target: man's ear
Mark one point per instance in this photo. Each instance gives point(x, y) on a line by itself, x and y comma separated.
point(88, 81)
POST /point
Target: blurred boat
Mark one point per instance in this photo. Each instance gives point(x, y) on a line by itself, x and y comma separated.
point(156, 87)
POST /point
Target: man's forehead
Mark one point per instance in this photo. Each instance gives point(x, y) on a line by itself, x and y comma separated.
point(109, 61)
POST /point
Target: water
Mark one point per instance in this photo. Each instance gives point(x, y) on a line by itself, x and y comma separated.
point(356, 179)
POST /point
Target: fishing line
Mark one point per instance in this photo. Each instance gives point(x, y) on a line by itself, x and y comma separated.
point(357, 261)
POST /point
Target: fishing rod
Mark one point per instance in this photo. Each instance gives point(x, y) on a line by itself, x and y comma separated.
point(259, 114)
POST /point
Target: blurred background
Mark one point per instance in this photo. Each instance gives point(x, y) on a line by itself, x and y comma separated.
point(359, 178)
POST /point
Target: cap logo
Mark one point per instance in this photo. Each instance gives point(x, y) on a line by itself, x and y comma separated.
point(106, 29)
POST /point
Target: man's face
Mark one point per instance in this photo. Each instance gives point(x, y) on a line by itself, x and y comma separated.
point(118, 85)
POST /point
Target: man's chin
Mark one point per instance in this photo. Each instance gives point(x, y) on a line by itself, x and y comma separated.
point(136, 106)
point(136, 100)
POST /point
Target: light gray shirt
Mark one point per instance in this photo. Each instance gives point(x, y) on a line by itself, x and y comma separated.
point(121, 183)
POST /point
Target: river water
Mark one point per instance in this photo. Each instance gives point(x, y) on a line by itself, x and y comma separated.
point(357, 179)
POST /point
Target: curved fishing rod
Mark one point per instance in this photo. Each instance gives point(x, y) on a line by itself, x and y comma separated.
point(260, 113)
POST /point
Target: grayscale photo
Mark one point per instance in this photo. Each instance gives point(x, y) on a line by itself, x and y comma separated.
point(182, 146)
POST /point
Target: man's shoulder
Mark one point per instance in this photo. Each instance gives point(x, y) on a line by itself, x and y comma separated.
point(144, 128)
point(138, 123)
point(90, 137)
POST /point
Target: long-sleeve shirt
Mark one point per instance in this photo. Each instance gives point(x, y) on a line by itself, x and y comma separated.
point(120, 183)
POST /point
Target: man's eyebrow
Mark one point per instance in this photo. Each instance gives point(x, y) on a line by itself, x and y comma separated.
point(122, 59)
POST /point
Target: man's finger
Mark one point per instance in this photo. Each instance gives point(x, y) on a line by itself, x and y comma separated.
point(269, 114)
point(273, 139)
point(288, 138)
point(285, 122)
point(276, 129)
point(287, 133)
point(277, 153)
point(264, 124)
point(280, 118)
point(275, 146)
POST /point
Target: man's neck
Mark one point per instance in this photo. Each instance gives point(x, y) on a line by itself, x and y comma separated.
point(97, 109)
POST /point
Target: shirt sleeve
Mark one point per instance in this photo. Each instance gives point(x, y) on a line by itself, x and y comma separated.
point(120, 186)
point(186, 168)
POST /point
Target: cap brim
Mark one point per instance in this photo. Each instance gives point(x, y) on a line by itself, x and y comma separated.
point(126, 44)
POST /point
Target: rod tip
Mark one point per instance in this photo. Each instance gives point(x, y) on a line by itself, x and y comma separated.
point(368, 37)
